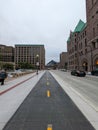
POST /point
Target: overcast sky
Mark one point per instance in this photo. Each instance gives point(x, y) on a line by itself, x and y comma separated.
point(45, 22)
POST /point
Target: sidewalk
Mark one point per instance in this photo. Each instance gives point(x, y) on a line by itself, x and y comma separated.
point(91, 77)
point(12, 81)
point(13, 93)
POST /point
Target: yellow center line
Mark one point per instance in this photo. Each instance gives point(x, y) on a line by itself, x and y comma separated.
point(48, 93)
point(47, 83)
point(49, 127)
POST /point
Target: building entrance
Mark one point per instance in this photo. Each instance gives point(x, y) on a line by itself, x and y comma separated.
point(85, 66)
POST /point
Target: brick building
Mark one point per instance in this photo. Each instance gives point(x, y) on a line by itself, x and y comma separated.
point(63, 60)
point(6, 54)
point(82, 44)
point(32, 54)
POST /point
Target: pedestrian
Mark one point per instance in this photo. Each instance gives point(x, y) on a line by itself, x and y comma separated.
point(3, 75)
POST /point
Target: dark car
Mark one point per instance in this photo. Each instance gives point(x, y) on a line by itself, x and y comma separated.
point(95, 72)
point(78, 73)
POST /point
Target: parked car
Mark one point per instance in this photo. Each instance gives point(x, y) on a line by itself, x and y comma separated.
point(95, 72)
point(78, 73)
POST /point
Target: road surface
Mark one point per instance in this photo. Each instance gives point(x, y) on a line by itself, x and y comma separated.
point(48, 107)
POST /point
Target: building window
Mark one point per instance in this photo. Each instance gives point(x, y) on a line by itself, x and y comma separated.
point(85, 42)
point(93, 32)
point(75, 48)
point(97, 12)
point(75, 54)
point(85, 33)
point(85, 51)
point(97, 27)
point(75, 40)
point(81, 36)
point(92, 16)
point(96, 63)
point(81, 53)
point(93, 45)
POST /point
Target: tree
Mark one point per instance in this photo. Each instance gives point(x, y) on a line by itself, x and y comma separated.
point(25, 65)
point(8, 66)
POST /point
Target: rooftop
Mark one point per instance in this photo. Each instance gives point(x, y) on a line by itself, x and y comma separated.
point(80, 26)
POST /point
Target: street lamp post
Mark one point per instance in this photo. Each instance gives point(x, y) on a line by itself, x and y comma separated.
point(37, 62)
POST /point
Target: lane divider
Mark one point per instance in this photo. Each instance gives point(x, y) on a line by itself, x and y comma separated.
point(47, 83)
point(1, 93)
point(48, 93)
point(49, 127)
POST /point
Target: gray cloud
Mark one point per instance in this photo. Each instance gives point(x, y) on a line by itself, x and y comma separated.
point(45, 22)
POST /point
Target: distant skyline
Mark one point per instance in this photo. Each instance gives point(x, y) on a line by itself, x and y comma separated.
point(40, 22)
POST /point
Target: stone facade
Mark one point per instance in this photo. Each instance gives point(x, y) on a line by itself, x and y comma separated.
point(82, 44)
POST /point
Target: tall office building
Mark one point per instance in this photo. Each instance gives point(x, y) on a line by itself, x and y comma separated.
point(6, 53)
point(63, 60)
point(31, 54)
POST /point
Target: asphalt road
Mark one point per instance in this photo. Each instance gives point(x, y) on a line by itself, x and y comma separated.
point(48, 107)
point(87, 86)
